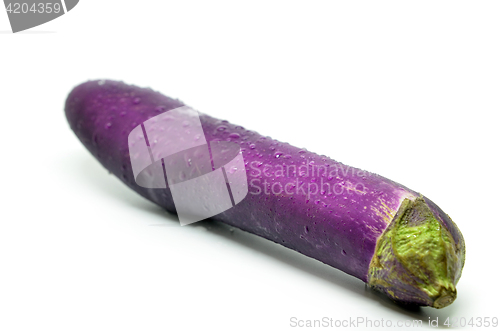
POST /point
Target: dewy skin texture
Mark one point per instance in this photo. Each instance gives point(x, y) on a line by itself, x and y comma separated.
point(368, 226)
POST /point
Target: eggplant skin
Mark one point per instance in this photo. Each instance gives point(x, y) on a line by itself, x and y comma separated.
point(310, 203)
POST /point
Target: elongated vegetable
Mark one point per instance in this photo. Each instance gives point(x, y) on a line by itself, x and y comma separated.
point(368, 226)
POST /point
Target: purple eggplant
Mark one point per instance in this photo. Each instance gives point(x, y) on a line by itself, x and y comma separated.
point(387, 235)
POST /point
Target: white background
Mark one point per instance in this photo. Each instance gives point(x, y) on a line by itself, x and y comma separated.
point(408, 90)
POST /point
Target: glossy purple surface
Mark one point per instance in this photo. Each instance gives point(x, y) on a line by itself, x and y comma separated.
point(338, 224)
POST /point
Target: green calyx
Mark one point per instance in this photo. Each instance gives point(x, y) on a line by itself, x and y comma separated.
point(416, 259)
